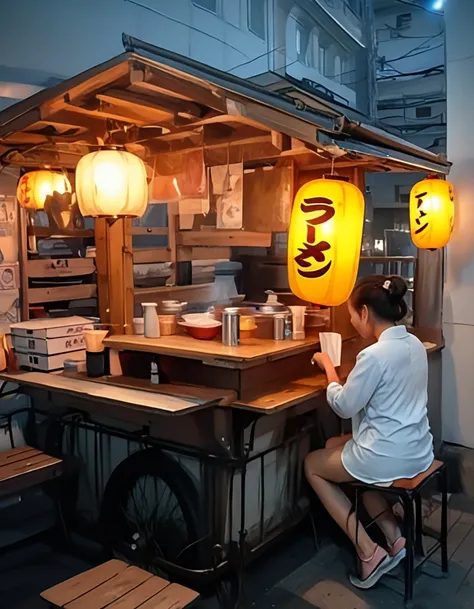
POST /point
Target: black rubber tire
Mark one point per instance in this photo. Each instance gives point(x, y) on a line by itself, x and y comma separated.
point(154, 463)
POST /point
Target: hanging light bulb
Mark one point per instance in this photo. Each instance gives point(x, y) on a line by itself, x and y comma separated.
point(111, 183)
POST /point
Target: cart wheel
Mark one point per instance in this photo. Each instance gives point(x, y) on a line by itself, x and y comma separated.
point(149, 512)
point(229, 591)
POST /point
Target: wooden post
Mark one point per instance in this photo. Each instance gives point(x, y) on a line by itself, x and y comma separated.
point(172, 209)
point(23, 259)
point(114, 260)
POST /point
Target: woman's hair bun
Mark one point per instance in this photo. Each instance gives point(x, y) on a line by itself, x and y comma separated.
point(398, 288)
point(383, 295)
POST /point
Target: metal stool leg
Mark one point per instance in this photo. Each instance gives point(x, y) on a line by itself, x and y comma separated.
point(419, 526)
point(444, 521)
point(409, 560)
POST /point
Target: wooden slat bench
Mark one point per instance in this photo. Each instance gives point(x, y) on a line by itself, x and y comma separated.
point(25, 467)
point(116, 585)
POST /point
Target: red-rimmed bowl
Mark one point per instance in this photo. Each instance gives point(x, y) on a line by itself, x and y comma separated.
point(202, 332)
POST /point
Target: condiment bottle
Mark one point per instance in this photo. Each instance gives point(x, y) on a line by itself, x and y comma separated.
point(154, 373)
point(151, 323)
point(230, 328)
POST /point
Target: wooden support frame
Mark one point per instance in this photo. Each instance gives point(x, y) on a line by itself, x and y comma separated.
point(114, 259)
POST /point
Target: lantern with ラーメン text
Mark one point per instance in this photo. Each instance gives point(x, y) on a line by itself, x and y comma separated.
point(324, 240)
point(35, 186)
point(111, 183)
point(431, 213)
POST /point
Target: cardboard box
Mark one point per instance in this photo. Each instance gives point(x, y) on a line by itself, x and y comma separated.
point(47, 363)
point(49, 346)
point(52, 328)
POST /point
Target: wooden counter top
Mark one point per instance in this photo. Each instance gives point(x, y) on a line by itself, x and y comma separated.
point(183, 399)
point(138, 399)
point(249, 351)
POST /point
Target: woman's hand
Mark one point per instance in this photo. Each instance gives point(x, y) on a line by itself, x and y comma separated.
point(321, 360)
point(325, 363)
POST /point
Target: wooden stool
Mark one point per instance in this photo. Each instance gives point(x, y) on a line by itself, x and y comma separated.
point(116, 585)
point(408, 492)
point(25, 467)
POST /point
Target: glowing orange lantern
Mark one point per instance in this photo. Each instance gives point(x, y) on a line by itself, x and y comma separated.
point(431, 213)
point(111, 183)
point(34, 187)
point(324, 240)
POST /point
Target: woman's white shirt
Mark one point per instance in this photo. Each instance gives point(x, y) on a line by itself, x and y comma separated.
point(386, 396)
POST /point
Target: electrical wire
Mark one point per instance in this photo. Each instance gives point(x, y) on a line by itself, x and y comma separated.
point(426, 41)
point(419, 6)
point(195, 29)
point(435, 70)
point(406, 118)
point(438, 46)
point(387, 26)
point(245, 63)
point(418, 104)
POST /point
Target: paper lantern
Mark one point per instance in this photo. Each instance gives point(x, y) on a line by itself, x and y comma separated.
point(431, 213)
point(35, 186)
point(111, 183)
point(324, 240)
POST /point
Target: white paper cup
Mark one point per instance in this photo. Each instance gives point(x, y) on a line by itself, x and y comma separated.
point(139, 326)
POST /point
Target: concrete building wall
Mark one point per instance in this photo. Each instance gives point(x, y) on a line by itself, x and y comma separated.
point(458, 317)
point(60, 38)
point(67, 37)
point(409, 41)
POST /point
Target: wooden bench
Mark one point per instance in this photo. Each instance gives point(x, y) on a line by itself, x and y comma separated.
point(116, 585)
point(25, 467)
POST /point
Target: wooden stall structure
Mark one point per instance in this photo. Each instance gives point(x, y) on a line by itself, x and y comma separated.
point(249, 409)
point(165, 108)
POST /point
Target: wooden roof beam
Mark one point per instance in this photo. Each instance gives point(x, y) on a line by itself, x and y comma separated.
point(126, 103)
point(182, 108)
point(159, 81)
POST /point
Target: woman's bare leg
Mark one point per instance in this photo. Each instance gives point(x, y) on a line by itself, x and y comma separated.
point(380, 511)
point(323, 468)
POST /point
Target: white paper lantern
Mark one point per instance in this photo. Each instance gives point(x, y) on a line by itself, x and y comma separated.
point(111, 183)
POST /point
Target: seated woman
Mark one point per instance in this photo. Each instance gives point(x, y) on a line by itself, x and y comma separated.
point(386, 396)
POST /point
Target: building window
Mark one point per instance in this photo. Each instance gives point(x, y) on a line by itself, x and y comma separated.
point(423, 112)
point(403, 21)
point(302, 41)
point(208, 5)
point(355, 6)
point(256, 17)
point(322, 60)
point(337, 68)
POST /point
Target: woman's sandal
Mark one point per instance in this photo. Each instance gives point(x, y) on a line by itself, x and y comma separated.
point(397, 551)
point(383, 563)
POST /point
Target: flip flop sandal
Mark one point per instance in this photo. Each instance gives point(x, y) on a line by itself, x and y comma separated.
point(397, 551)
point(383, 566)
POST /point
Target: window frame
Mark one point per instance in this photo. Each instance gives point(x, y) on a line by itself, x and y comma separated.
point(265, 9)
point(217, 12)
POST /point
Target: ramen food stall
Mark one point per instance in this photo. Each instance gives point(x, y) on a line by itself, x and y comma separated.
point(169, 470)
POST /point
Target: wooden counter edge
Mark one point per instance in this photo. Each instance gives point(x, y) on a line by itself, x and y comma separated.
point(17, 378)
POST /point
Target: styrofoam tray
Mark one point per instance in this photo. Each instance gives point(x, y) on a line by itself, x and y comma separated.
point(52, 327)
point(45, 362)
